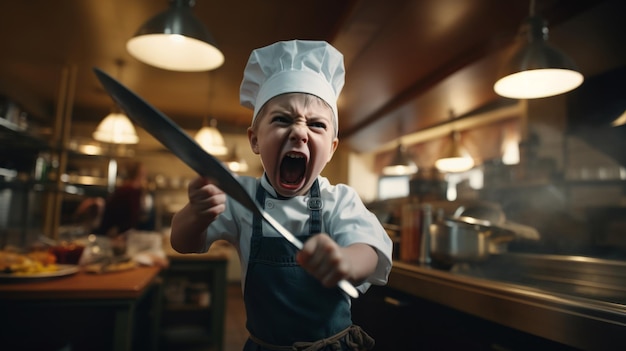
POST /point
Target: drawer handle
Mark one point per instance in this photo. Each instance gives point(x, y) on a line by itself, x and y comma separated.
point(394, 302)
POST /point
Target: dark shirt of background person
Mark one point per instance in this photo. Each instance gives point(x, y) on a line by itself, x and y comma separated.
point(126, 208)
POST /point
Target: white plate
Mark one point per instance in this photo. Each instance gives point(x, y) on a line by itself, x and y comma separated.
point(63, 270)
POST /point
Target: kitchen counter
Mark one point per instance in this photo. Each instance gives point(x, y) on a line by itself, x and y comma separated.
point(582, 322)
point(83, 311)
point(125, 285)
point(219, 251)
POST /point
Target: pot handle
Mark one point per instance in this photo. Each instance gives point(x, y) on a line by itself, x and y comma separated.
point(498, 233)
point(503, 230)
point(521, 231)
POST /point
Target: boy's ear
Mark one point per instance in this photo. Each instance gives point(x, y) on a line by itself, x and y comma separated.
point(252, 138)
point(333, 148)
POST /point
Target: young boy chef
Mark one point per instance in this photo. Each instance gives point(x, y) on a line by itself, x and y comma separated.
point(291, 298)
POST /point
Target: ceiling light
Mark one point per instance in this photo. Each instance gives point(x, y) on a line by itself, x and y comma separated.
point(455, 158)
point(176, 40)
point(536, 69)
point(211, 140)
point(510, 152)
point(236, 163)
point(116, 128)
point(619, 121)
point(402, 164)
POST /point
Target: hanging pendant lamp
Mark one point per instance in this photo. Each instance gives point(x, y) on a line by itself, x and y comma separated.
point(536, 69)
point(401, 164)
point(176, 40)
point(209, 137)
point(455, 158)
point(116, 128)
point(211, 140)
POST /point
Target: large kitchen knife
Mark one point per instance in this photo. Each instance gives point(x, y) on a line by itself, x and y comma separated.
point(186, 149)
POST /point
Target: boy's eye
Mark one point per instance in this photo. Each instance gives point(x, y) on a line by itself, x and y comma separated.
point(321, 125)
point(281, 119)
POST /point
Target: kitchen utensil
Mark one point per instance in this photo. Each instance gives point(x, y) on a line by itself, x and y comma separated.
point(472, 234)
point(186, 149)
point(453, 241)
point(468, 239)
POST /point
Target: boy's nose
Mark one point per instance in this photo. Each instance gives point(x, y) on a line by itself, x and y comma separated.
point(299, 134)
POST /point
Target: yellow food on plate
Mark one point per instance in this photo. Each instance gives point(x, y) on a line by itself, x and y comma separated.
point(25, 264)
point(44, 257)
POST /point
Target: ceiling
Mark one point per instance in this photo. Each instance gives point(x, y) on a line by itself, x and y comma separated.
point(409, 63)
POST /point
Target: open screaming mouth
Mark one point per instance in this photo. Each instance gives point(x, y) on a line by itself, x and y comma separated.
point(292, 168)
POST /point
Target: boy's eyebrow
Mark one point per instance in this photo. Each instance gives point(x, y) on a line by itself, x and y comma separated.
point(287, 107)
point(280, 109)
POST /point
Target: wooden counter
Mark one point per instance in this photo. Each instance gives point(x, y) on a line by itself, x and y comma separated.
point(577, 322)
point(82, 311)
point(219, 251)
point(130, 284)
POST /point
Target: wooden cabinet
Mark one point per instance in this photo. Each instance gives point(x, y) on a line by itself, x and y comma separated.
point(402, 322)
point(387, 316)
point(194, 291)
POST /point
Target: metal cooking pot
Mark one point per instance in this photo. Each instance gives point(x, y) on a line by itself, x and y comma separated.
point(473, 233)
point(455, 240)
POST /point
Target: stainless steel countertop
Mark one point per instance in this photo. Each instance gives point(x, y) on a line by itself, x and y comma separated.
point(581, 322)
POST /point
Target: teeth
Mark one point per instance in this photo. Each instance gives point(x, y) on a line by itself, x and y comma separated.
point(292, 155)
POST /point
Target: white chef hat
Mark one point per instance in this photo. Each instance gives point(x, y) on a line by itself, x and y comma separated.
point(296, 66)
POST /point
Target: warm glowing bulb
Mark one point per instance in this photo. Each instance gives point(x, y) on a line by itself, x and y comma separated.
point(175, 52)
point(454, 164)
point(538, 83)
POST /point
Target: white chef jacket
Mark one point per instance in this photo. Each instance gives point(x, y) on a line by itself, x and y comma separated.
point(344, 217)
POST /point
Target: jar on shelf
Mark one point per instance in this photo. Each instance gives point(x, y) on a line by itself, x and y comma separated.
point(198, 294)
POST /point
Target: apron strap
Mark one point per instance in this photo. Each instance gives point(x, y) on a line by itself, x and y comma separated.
point(315, 206)
point(257, 223)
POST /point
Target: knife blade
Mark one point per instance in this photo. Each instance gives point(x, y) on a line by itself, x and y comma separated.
point(187, 150)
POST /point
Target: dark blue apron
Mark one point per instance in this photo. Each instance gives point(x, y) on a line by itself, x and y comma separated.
point(284, 303)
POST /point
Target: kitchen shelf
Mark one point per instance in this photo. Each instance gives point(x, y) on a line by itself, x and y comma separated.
point(97, 188)
point(8, 125)
point(20, 137)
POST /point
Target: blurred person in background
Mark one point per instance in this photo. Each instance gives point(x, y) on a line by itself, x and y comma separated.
point(129, 206)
